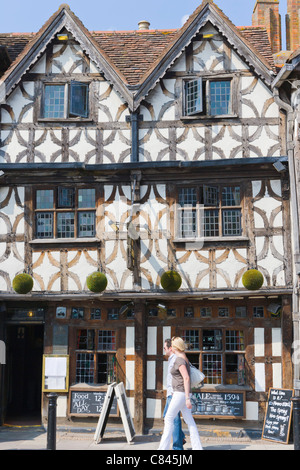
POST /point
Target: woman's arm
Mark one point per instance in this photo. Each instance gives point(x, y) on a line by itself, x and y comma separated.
point(186, 383)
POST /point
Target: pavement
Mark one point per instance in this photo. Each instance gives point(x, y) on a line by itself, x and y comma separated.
point(114, 442)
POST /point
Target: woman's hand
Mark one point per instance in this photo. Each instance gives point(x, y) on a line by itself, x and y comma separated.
point(188, 403)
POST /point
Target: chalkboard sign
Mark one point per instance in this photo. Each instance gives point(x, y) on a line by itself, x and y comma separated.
point(89, 402)
point(278, 415)
point(219, 404)
point(115, 390)
point(124, 410)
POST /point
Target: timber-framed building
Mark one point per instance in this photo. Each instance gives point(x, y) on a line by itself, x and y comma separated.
point(134, 153)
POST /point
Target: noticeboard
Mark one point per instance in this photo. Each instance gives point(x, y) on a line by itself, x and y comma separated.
point(229, 404)
point(278, 416)
point(55, 373)
point(89, 403)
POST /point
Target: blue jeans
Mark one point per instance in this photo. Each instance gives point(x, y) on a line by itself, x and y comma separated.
point(178, 434)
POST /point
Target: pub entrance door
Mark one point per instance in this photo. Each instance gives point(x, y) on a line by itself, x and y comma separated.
point(23, 378)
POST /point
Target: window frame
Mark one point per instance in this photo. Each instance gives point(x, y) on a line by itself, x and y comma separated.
point(219, 348)
point(200, 208)
point(95, 352)
point(68, 116)
point(205, 110)
point(55, 210)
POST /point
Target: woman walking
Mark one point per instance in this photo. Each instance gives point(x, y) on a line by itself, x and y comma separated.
point(180, 399)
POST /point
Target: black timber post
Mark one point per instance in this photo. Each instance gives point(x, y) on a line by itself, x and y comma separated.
point(51, 428)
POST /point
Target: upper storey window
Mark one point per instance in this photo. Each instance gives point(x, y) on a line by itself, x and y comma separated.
point(65, 212)
point(209, 97)
point(210, 211)
point(63, 101)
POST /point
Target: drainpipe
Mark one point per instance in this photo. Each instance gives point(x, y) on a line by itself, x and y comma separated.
point(134, 118)
point(295, 228)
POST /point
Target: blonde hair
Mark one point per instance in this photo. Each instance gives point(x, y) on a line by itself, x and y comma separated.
point(178, 343)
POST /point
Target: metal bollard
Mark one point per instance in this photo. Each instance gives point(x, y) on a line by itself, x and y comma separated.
point(51, 429)
point(296, 422)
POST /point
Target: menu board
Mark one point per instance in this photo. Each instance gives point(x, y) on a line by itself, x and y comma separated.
point(115, 390)
point(87, 402)
point(55, 373)
point(221, 404)
point(278, 415)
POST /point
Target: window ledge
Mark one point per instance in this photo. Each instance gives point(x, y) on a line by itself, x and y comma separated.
point(64, 241)
point(208, 116)
point(60, 120)
point(225, 388)
point(211, 239)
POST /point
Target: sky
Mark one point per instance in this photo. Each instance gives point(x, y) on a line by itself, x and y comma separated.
point(102, 15)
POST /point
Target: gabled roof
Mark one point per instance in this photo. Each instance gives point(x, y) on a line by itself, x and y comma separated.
point(64, 18)
point(206, 12)
point(133, 52)
point(133, 61)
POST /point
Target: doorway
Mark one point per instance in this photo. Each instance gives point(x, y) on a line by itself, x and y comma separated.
point(24, 374)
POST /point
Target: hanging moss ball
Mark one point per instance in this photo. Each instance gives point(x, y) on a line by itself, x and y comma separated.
point(96, 282)
point(171, 281)
point(22, 283)
point(252, 279)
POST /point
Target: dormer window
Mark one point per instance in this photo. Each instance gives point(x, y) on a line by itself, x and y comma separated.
point(68, 100)
point(208, 97)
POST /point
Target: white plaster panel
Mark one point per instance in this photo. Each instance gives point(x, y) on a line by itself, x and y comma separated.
point(17, 101)
point(268, 262)
point(130, 401)
point(116, 267)
point(119, 148)
point(265, 142)
point(259, 342)
point(276, 187)
point(151, 211)
point(44, 270)
point(11, 266)
point(154, 147)
point(81, 147)
point(192, 146)
point(165, 374)
point(277, 375)
point(158, 100)
point(130, 340)
point(11, 148)
point(251, 410)
point(179, 64)
point(152, 340)
point(11, 210)
point(247, 111)
point(153, 408)
point(66, 59)
point(166, 334)
point(192, 271)
point(260, 377)
point(110, 106)
point(262, 94)
point(61, 409)
point(40, 66)
point(237, 63)
point(80, 266)
point(276, 342)
point(151, 375)
point(151, 266)
point(130, 371)
point(256, 187)
point(230, 267)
